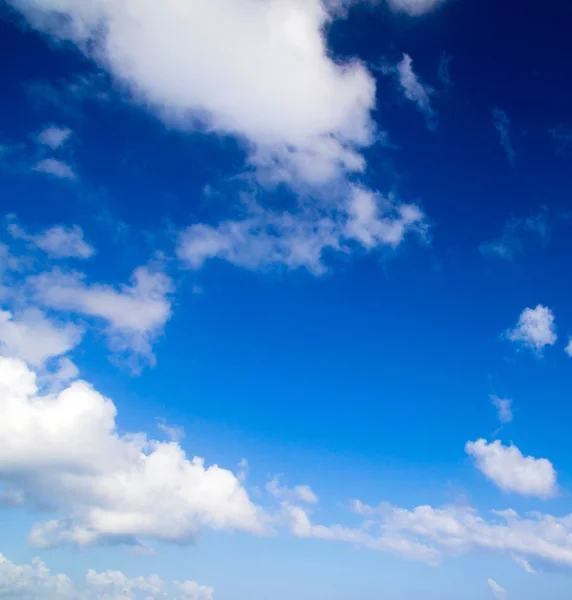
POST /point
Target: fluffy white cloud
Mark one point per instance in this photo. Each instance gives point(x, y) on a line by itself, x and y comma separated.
point(414, 8)
point(268, 239)
point(504, 408)
point(506, 467)
point(502, 124)
point(499, 593)
point(36, 581)
point(535, 329)
point(63, 451)
point(302, 493)
point(191, 590)
point(54, 136)
point(56, 168)
point(135, 314)
point(267, 76)
point(57, 241)
point(34, 338)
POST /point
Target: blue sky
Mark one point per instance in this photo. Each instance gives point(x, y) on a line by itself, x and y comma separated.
point(320, 245)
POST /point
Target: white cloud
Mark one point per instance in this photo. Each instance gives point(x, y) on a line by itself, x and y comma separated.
point(504, 408)
point(57, 242)
point(499, 593)
point(54, 136)
point(502, 124)
point(268, 239)
point(535, 329)
point(34, 338)
point(299, 493)
point(191, 590)
point(135, 314)
point(568, 348)
point(266, 77)
point(64, 451)
point(522, 562)
point(507, 468)
point(36, 581)
point(56, 168)
point(414, 90)
point(414, 8)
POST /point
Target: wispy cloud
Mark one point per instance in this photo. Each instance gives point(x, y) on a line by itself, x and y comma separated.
point(443, 72)
point(502, 124)
point(54, 136)
point(515, 232)
point(56, 168)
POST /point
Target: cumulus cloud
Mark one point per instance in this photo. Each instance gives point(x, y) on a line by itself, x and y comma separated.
point(507, 468)
point(299, 493)
point(502, 124)
point(56, 168)
point(504, 408)
point(515, 232)
point(54, 136)
point(134, 314)
point(36, 581)
point(266, 77)
point(64, 451)
point(57, 242)
point(34, 338)
point(268, 239)
point(535, 329)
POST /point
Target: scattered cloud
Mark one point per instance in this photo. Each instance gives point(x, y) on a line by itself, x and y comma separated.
point(515, 231)
point(499, 593)
point(32, 337)
point(57, 242)
point(36, 581)
point(64, 451)
point(502, 124)
point(504, 408)
point(522, 562)
point(268, 239)
point(508, 469)
point(562, 136)
point(535, 329)
point(134, 314)
point(414, 8)
point(443, 72)
point(413, 89)
point(54, 136)
point(56, 168)
point(568, 348)
point(174, 433)
point(301, 493)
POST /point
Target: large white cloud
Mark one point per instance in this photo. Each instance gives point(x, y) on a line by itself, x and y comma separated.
point(35, 581)
point(511, 471)
point(64, 451)
point(258, 70)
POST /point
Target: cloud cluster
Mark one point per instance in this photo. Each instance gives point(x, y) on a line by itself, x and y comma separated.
point(36, 581)
point(57, 242)
point(63, 451)
point(133, 314)
point(268, 239)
